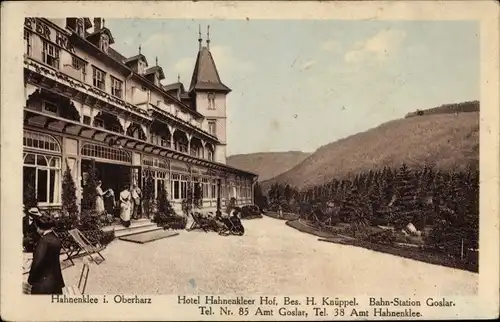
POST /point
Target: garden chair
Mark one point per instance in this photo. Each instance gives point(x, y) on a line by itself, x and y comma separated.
point(86, 246)
point(198, 223)
point(67, 247)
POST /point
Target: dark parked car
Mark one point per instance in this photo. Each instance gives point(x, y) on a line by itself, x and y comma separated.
point(251, 211)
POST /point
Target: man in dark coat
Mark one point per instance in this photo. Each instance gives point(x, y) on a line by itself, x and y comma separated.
point(45, 275)
point(30, 234)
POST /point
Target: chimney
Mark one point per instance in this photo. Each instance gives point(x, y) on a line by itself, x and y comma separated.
point(97, 24)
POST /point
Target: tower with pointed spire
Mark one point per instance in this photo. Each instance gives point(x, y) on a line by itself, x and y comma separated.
point(208, 95)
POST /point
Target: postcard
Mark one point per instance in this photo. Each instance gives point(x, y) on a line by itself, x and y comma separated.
point(250, 160)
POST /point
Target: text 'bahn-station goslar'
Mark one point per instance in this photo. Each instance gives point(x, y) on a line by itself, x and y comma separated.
point(85, 101)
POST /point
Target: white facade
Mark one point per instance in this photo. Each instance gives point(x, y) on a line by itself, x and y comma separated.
point(86, 101)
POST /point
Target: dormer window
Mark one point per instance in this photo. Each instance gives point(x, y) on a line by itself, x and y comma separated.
point(140, 67)
point(157, 79)
point(80, 30)
point(104, 43)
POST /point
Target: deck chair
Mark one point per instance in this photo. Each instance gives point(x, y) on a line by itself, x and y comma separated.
point(67, 248)
point(84, 245)
point(198, 223)
point(75, 290)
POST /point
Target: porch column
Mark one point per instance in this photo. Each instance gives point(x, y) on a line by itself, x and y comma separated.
point(189, 136)
point(203, 143)
point(171, 129)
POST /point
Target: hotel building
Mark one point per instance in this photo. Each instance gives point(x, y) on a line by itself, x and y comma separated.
point(85, 101)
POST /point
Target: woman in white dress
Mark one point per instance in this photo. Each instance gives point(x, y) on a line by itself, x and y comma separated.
point(125, 206)
point(99, 202)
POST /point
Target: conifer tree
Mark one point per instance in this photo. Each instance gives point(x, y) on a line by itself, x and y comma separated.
point(89, 190)
point(29, 192)
point(69, 206)
point(402, 210)
point(148, 192)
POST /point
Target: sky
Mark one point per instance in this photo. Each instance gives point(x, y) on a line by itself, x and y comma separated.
point(300, 84)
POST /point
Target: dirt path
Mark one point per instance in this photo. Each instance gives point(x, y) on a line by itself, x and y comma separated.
point(271, 258)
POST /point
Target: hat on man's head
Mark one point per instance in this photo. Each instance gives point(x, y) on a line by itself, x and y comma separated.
point(34, 212)
point(44, 221)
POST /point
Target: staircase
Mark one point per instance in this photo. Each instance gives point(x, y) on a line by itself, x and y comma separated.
point(136, 227)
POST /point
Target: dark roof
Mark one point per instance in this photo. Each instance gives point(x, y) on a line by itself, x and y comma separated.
point(136, 57)
point(205, 74)
point(155, 69)
point(116, 55)
point(174, 87)
point(100, 31)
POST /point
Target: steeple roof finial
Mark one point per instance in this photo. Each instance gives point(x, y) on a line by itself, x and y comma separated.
point(199, 36)
point(208, 37)
point(178, 78)
point(156, 60)
point(139, 49)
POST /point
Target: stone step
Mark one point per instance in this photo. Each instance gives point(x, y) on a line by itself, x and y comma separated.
point(137, 230)
point(136, 226)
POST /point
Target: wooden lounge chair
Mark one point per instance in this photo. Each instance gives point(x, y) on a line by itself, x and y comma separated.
point(67, 247)
point(84, 245)
point(79, 289)
point(198, 223)
point(70, 290)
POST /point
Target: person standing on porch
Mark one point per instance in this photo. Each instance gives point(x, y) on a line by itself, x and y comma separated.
point(99, 202)
point(125, 206)
point(136, 196)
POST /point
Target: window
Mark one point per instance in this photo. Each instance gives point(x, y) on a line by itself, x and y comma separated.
point(175, 186)
point(105, 152)
point(98, 122)
point(210, 155)
point(79, 27)
point(49, 107)
point(98, 77)
point(40, 141)
point(104, 43)
point(211, 101)
point(212, 127)
point(213, 191)
point(205, 188)
point(50, 54)
point(116, 87)
point(43, 174)
point(86, 119)
point(41, 170)
point(79, 64)
point(27, 42)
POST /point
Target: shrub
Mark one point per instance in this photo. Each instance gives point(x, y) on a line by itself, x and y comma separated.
point(89, 190)
point(69, 206)
point(169, 221)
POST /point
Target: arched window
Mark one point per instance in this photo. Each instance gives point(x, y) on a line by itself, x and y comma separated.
point(40, 141)
point(105, 153)
point(42, 175)
point(42, 167)
point(211, 101)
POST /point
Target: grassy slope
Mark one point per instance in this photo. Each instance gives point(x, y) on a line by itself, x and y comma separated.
point(267, 164)
point(446, 141)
